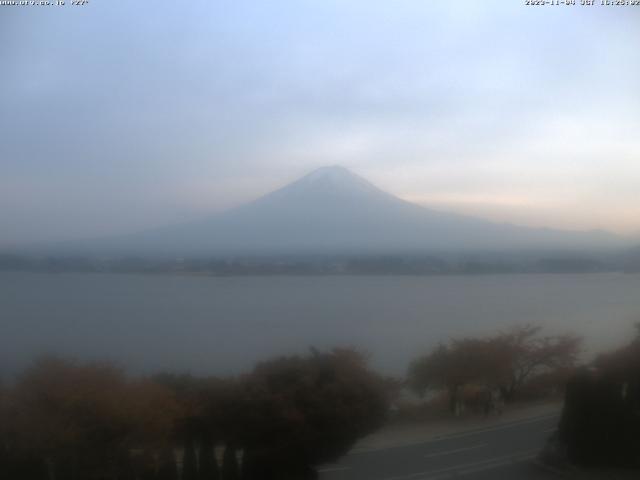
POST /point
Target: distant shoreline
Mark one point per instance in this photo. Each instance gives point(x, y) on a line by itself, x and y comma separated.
point(310, 274)
point(331, 265)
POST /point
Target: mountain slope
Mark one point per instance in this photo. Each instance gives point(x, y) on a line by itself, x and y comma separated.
point(332, 210)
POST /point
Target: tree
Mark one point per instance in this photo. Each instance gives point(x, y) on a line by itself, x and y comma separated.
point(230, 468)
point(454, 365)
point(302, 411)
point(527, 354)
point(153, 412)
point(70, 415)
point(600, 423)
point(167, 468)
point(501, 362)
point(210, 414)
point(84, 419)
point(208, 466)
point(189, 462)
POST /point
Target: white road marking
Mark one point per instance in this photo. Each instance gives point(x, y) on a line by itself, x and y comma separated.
point(466, 468)
point(337, 468)
point(504, 426)
point(498, 464)
point(457, 450)
point(468, 433)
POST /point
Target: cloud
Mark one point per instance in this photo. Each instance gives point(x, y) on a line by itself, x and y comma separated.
point(179, 109)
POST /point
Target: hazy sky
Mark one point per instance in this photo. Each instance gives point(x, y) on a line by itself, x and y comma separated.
point(121, 115)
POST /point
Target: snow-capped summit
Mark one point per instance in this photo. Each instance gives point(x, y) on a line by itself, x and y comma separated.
point(331, 180)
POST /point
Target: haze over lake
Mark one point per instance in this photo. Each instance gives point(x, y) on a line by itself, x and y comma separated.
point(223, 325)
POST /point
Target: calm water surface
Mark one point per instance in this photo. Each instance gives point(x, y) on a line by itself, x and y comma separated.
point(224, 325)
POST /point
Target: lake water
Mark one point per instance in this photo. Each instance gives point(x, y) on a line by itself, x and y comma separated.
point(224, 325)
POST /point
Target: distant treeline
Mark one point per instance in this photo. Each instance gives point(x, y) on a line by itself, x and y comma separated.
point(328, 265)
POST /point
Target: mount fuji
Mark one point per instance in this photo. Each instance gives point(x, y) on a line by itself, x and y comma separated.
point(333, 210)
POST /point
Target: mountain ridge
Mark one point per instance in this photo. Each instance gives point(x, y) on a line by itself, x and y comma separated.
point(333, 210)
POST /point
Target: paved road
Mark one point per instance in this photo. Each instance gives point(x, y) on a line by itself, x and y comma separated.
point(504, 451)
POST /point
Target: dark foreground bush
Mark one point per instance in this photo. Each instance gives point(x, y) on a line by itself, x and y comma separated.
point(303, 411)
point(68, 421)
point(600, 424)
